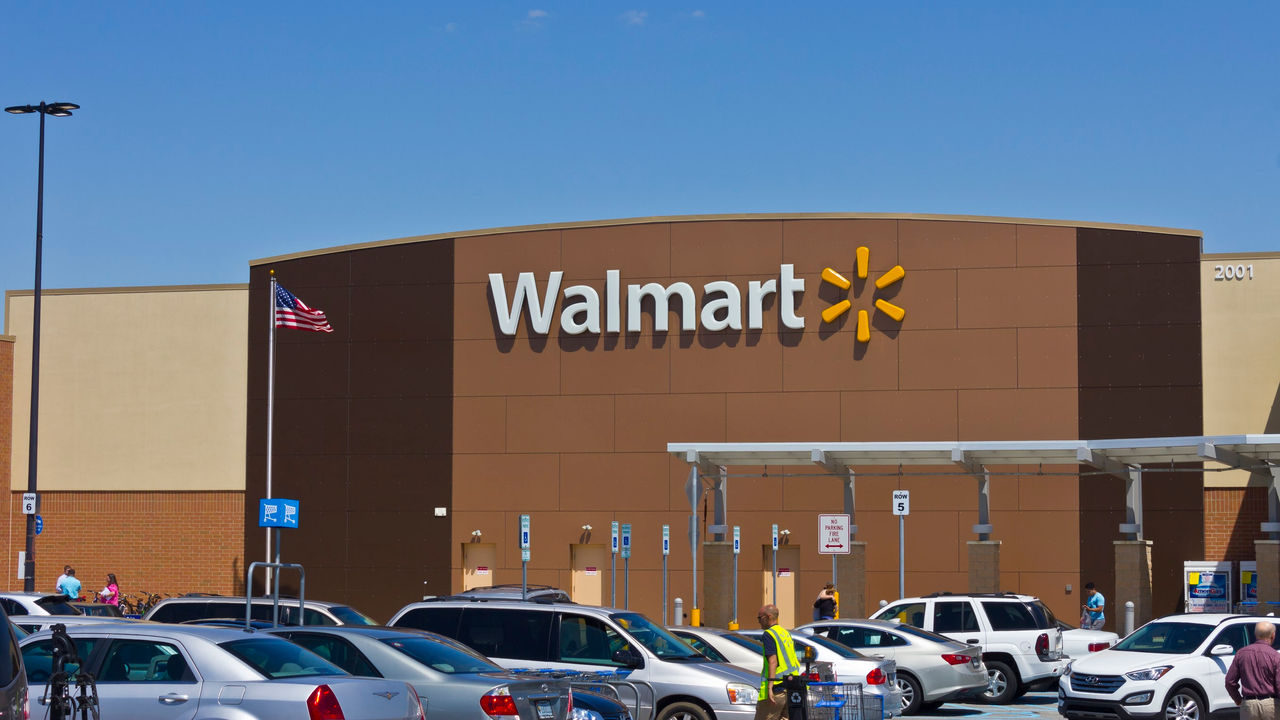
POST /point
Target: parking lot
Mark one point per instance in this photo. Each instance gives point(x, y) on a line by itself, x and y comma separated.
point(1030, 706)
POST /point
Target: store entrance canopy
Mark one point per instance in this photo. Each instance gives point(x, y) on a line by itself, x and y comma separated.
point(1125, 459)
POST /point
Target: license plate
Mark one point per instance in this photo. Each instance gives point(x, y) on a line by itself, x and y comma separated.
point(544, 710)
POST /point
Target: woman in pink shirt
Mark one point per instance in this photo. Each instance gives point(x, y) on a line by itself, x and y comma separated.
point(111, 593)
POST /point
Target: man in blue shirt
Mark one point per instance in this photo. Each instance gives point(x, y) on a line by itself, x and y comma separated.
point(70, 586)
point(1094, 608)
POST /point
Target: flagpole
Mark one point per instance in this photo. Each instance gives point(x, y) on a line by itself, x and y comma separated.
point(271, 404)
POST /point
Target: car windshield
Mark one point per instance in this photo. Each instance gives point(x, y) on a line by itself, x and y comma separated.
point(351, 616)
point(843, 651)
point(1043, 615)
point(925, 634)
point(441, 657)
point(277, 658)
point(58, 605)
point(749, 643)
point(655, 638)
point(1166, 637)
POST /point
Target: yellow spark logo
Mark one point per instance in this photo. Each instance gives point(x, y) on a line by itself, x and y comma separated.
point(891, 276)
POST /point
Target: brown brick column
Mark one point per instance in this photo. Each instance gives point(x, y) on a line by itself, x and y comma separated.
point(851, 581)
point(984, 566)
point(1133, 583)
point(1267, 553)
point(717, 585)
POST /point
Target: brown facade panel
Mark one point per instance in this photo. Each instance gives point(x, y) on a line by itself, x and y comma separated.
point(1009, 334)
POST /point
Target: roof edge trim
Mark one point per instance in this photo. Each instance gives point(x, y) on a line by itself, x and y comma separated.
point(713, 218)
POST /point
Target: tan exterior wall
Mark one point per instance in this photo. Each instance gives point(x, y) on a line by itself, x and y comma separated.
point(1240, 350)
point(140, 388)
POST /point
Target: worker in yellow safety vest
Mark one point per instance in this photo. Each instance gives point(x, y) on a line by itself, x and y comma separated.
point(779, 662)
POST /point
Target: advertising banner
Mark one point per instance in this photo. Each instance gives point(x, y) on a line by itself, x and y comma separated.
point(1207, 587)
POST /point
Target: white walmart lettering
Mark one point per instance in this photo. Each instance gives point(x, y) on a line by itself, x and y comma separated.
point(581, 308)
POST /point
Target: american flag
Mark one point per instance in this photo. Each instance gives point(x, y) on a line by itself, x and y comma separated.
point(292, 312)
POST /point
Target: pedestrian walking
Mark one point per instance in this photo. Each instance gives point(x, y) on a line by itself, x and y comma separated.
point(1095, 607)
point(111, 593)
point(1254, 677)
point(780, 662)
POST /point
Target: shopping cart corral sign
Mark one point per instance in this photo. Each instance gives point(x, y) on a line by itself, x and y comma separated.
point(833, 535)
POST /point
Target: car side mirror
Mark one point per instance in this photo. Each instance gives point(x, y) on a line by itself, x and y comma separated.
point(1224, 649)
point(628, 658)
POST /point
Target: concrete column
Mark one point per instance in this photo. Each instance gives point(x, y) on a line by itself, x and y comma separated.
point(1133, 582)
point(718, 583)
point(1267, 553)
point(984, 566)
point(851, 581)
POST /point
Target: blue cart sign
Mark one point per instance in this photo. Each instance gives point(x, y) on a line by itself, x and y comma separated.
point(40, 529)
point(666, 539)
point(626, 540)
point(278, 513)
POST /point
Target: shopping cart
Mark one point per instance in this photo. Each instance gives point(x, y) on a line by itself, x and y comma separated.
point(843, 701)
point(635, 695)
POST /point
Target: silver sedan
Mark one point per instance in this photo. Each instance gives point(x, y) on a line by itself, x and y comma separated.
point(932, 668)
point(457, 681)
point(151, 671)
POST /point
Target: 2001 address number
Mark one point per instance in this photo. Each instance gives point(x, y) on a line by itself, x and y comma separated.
point(1233, 272)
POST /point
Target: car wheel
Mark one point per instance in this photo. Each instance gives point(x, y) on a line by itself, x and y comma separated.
point(912, 696)
point(683, 711)
point(1002, 683)
point(1184, 704)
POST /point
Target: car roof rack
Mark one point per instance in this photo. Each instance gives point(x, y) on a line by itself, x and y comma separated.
point(948, 593)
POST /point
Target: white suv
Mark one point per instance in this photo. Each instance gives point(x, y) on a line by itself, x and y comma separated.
point(1020, 640)
point(1173, 667)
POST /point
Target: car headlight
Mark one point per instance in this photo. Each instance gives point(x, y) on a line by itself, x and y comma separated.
point(1154, 673)
point(584, 714)
point(742, 694)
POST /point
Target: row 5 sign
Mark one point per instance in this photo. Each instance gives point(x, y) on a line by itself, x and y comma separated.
point(901, 502)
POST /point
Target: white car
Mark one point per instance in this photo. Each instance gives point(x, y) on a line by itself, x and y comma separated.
point(1172, 667)
point(1078, 642)
point(1019, 636)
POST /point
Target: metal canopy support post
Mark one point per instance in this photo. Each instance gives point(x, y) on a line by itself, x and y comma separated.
point(1132, 475)
point(1210, 451)
point(720, 503)
point(693, 490)
point(980, 472)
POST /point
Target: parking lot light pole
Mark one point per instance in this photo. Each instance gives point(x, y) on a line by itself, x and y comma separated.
point(57, 109)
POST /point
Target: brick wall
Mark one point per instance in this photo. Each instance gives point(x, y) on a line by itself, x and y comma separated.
point(1231, 522)
point(163, 542)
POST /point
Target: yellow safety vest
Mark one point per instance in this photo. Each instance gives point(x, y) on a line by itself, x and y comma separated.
point(787, 662)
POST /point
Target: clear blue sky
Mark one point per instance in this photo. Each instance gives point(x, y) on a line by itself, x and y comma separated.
point(213, 133)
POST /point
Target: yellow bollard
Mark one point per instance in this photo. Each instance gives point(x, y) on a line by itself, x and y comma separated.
point(695, 617)
point(733, 625)
point(836, 595)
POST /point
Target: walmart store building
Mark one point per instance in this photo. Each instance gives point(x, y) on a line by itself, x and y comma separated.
point(474, 377)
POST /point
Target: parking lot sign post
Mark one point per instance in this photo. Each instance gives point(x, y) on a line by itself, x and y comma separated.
point(524, 556)
point(277, 513)
point(833, 539)
point(902, 508)
point(626, 566)
point(737, 547)
point(666, 550)
point(613, 564)
point(774, 601)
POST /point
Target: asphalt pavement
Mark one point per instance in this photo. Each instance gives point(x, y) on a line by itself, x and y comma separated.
point(1032, 706)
